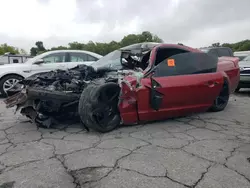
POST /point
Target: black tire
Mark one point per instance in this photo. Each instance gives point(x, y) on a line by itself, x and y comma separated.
point(4, 79)
point(96, 103)
point(221, 101)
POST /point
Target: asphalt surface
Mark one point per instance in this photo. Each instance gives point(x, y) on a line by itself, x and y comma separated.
point(208, 150)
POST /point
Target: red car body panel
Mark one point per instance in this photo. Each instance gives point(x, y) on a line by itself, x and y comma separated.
point(183, 94)
point(230, 66)
point(128, 102)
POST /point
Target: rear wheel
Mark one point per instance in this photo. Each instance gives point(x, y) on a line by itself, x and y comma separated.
point(98, 107)
point(8, 82)
point(221, 101)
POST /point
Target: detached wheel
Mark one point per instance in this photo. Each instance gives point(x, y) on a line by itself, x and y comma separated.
point(8, 82)
point(221, 101)
point(98, 107)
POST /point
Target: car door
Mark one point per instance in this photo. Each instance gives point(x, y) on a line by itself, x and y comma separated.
point(78, 58)
point(50, 62)
point(179, 85)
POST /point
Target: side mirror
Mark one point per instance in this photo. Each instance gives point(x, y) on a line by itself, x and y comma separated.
point(39, 61)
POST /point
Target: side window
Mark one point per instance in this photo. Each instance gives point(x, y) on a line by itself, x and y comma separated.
point(54, 58)
point(78, 57)
point(164, 53)
point(247, 58)
point(213, 52)
point(15, 61)
point(224, 52)
point(242, 58)
point(91, 58)
point(231, 52)
point(186, 63)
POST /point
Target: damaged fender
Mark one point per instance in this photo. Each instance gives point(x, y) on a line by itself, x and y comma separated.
point(128, 97)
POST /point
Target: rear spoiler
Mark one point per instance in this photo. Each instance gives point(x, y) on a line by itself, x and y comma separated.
point(235, 60)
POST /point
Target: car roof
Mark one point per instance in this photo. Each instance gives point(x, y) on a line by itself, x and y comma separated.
point(208, 48)
point(242, 53)
point(139, 46)
point(151, 45)
point(76, 51)
point(179, 46)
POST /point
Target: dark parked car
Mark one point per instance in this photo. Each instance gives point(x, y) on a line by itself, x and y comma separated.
point(219, 51)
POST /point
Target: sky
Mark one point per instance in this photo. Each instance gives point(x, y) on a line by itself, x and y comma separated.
point(195, 23)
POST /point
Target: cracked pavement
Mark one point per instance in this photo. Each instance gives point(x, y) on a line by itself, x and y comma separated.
point(207, 150)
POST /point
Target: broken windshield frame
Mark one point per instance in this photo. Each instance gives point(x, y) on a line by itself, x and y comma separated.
point(111, 60)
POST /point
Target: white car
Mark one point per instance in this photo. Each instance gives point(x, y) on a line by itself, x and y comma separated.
point(244, 65)
point(10, 74)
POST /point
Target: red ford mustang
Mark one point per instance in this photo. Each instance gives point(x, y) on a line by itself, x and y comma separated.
point(177, 81)
point(138, 83)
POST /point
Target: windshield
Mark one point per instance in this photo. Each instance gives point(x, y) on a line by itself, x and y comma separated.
point(204, 50)
point(241, 57)
point(247, 58)
point(111, 60)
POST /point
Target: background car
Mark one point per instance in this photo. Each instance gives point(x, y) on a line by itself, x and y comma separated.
point(244, 73)
point(218, 51)
point(241, 54)
point(10, 74)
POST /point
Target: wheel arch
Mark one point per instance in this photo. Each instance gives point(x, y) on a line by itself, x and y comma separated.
point(226, 77)
point(11, 74)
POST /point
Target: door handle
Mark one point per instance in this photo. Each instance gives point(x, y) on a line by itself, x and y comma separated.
point(211, 84)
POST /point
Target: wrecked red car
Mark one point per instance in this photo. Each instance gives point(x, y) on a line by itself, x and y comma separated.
point(138, 83)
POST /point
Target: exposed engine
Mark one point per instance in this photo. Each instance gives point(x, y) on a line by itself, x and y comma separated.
point(72, 80)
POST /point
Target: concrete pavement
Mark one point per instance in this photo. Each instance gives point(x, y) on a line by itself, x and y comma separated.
point(208, 150)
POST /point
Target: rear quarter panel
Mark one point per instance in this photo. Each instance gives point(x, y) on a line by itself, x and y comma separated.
point(229, 65)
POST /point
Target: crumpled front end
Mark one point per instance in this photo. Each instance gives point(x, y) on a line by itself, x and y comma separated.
point(49, 97)
point(19, 98)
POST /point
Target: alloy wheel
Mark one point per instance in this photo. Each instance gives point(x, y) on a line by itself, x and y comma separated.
point(9, 84)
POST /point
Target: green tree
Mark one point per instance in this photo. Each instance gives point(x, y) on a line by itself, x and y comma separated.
point(4, 48)
point(99, 47)
point(22, 51)
point(130, 39)
point(75, 46)
point(40, 46)
point(217, 44)
point(59, 48)
point(38, 49)
point(238, 46)
point(33, 51)
point(145, 36)
point(157, 39)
